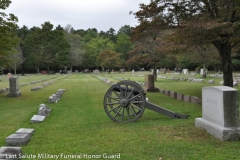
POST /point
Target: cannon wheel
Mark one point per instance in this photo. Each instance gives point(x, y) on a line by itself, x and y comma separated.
point(125, 101)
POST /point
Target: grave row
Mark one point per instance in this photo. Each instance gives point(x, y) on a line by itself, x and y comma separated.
point(211, 81)
point(106, 80)
point(40, 87)
point(46, 84)
point(179, 96)
point(54, 98)
point(21, 137)
point(5, 90)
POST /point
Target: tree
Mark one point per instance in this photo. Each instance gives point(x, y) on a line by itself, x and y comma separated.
point(109, 59)
point(22, 34)
point(204, 55)
point(124, 46)
point(199, 22)
point(89, 34)
point(93, 48)
point(76, 49)
point(15, 59)
point(151, 51)
point(47, 47)
point(8, 38)
point(126, 29)
point(111, 34)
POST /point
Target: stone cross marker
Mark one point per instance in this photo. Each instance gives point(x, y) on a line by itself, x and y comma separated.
point(220, 112)
point(14, 87)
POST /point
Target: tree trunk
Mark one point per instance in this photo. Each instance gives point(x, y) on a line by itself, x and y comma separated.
point(224, 49)
point(204, 71)
point(37, 68)
point(71, 67)
point(48, 72)
point(23, 68)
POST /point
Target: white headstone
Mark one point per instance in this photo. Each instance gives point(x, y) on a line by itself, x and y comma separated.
point(185, 71)
point(220, 112)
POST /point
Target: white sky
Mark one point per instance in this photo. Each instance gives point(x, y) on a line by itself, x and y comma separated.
point(81, 14)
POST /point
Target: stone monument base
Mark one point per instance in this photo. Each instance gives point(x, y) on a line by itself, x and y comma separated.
point(222, 133)
point(151, 89)
point(16, 94)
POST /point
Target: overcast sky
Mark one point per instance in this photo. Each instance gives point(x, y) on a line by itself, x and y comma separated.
point(81, 14)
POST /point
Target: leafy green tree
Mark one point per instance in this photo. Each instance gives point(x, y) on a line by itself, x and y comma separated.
point(93, 48)
point(124, 46)
point(90, 34)
point(15, 59)
point(8, 38)
point(76, 49)
point(22, 34)
point(81, 32)
point(126, 29)
point(111, 34)
point(109, 59)
point(47, 47)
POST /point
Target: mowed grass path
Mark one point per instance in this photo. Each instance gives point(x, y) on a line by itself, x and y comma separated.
point(78, 125)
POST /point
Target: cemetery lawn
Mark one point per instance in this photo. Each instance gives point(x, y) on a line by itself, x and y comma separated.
point(78, 124)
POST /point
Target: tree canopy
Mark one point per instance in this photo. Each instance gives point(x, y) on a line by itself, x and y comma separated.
point(195, 22)
point(8, 38)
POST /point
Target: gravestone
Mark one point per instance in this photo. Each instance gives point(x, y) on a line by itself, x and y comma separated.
point(14, 87)
point(37, 119)
point(44, 110)
point(149, 83)
point(25, 131)
point(201, 71)
point(220, 112)
point(17, 139)
point(185, 71)
point(10, 153)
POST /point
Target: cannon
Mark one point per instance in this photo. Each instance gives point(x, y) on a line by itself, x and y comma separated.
point(125, 101)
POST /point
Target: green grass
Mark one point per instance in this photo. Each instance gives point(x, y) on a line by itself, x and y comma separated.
point(78, 124)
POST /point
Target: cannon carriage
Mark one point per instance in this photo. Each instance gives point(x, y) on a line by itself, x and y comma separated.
point(126, 101)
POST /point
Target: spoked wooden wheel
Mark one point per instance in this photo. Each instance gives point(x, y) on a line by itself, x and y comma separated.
point(124, 102)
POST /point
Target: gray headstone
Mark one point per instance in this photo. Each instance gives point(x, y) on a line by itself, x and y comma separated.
point(235, 83)
point(180, 96)
point(173, 94)
point(211, 81)
point(25, 131)
point(37, 119)
point(53, 98)
point(167, 92)
point(161, 90)
point(10, 153)
point(14, 87)
point(36, 88)
point(186, 98)
point(44, 110)
point(17, 139)
point(220, 112)
point(195, 100)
